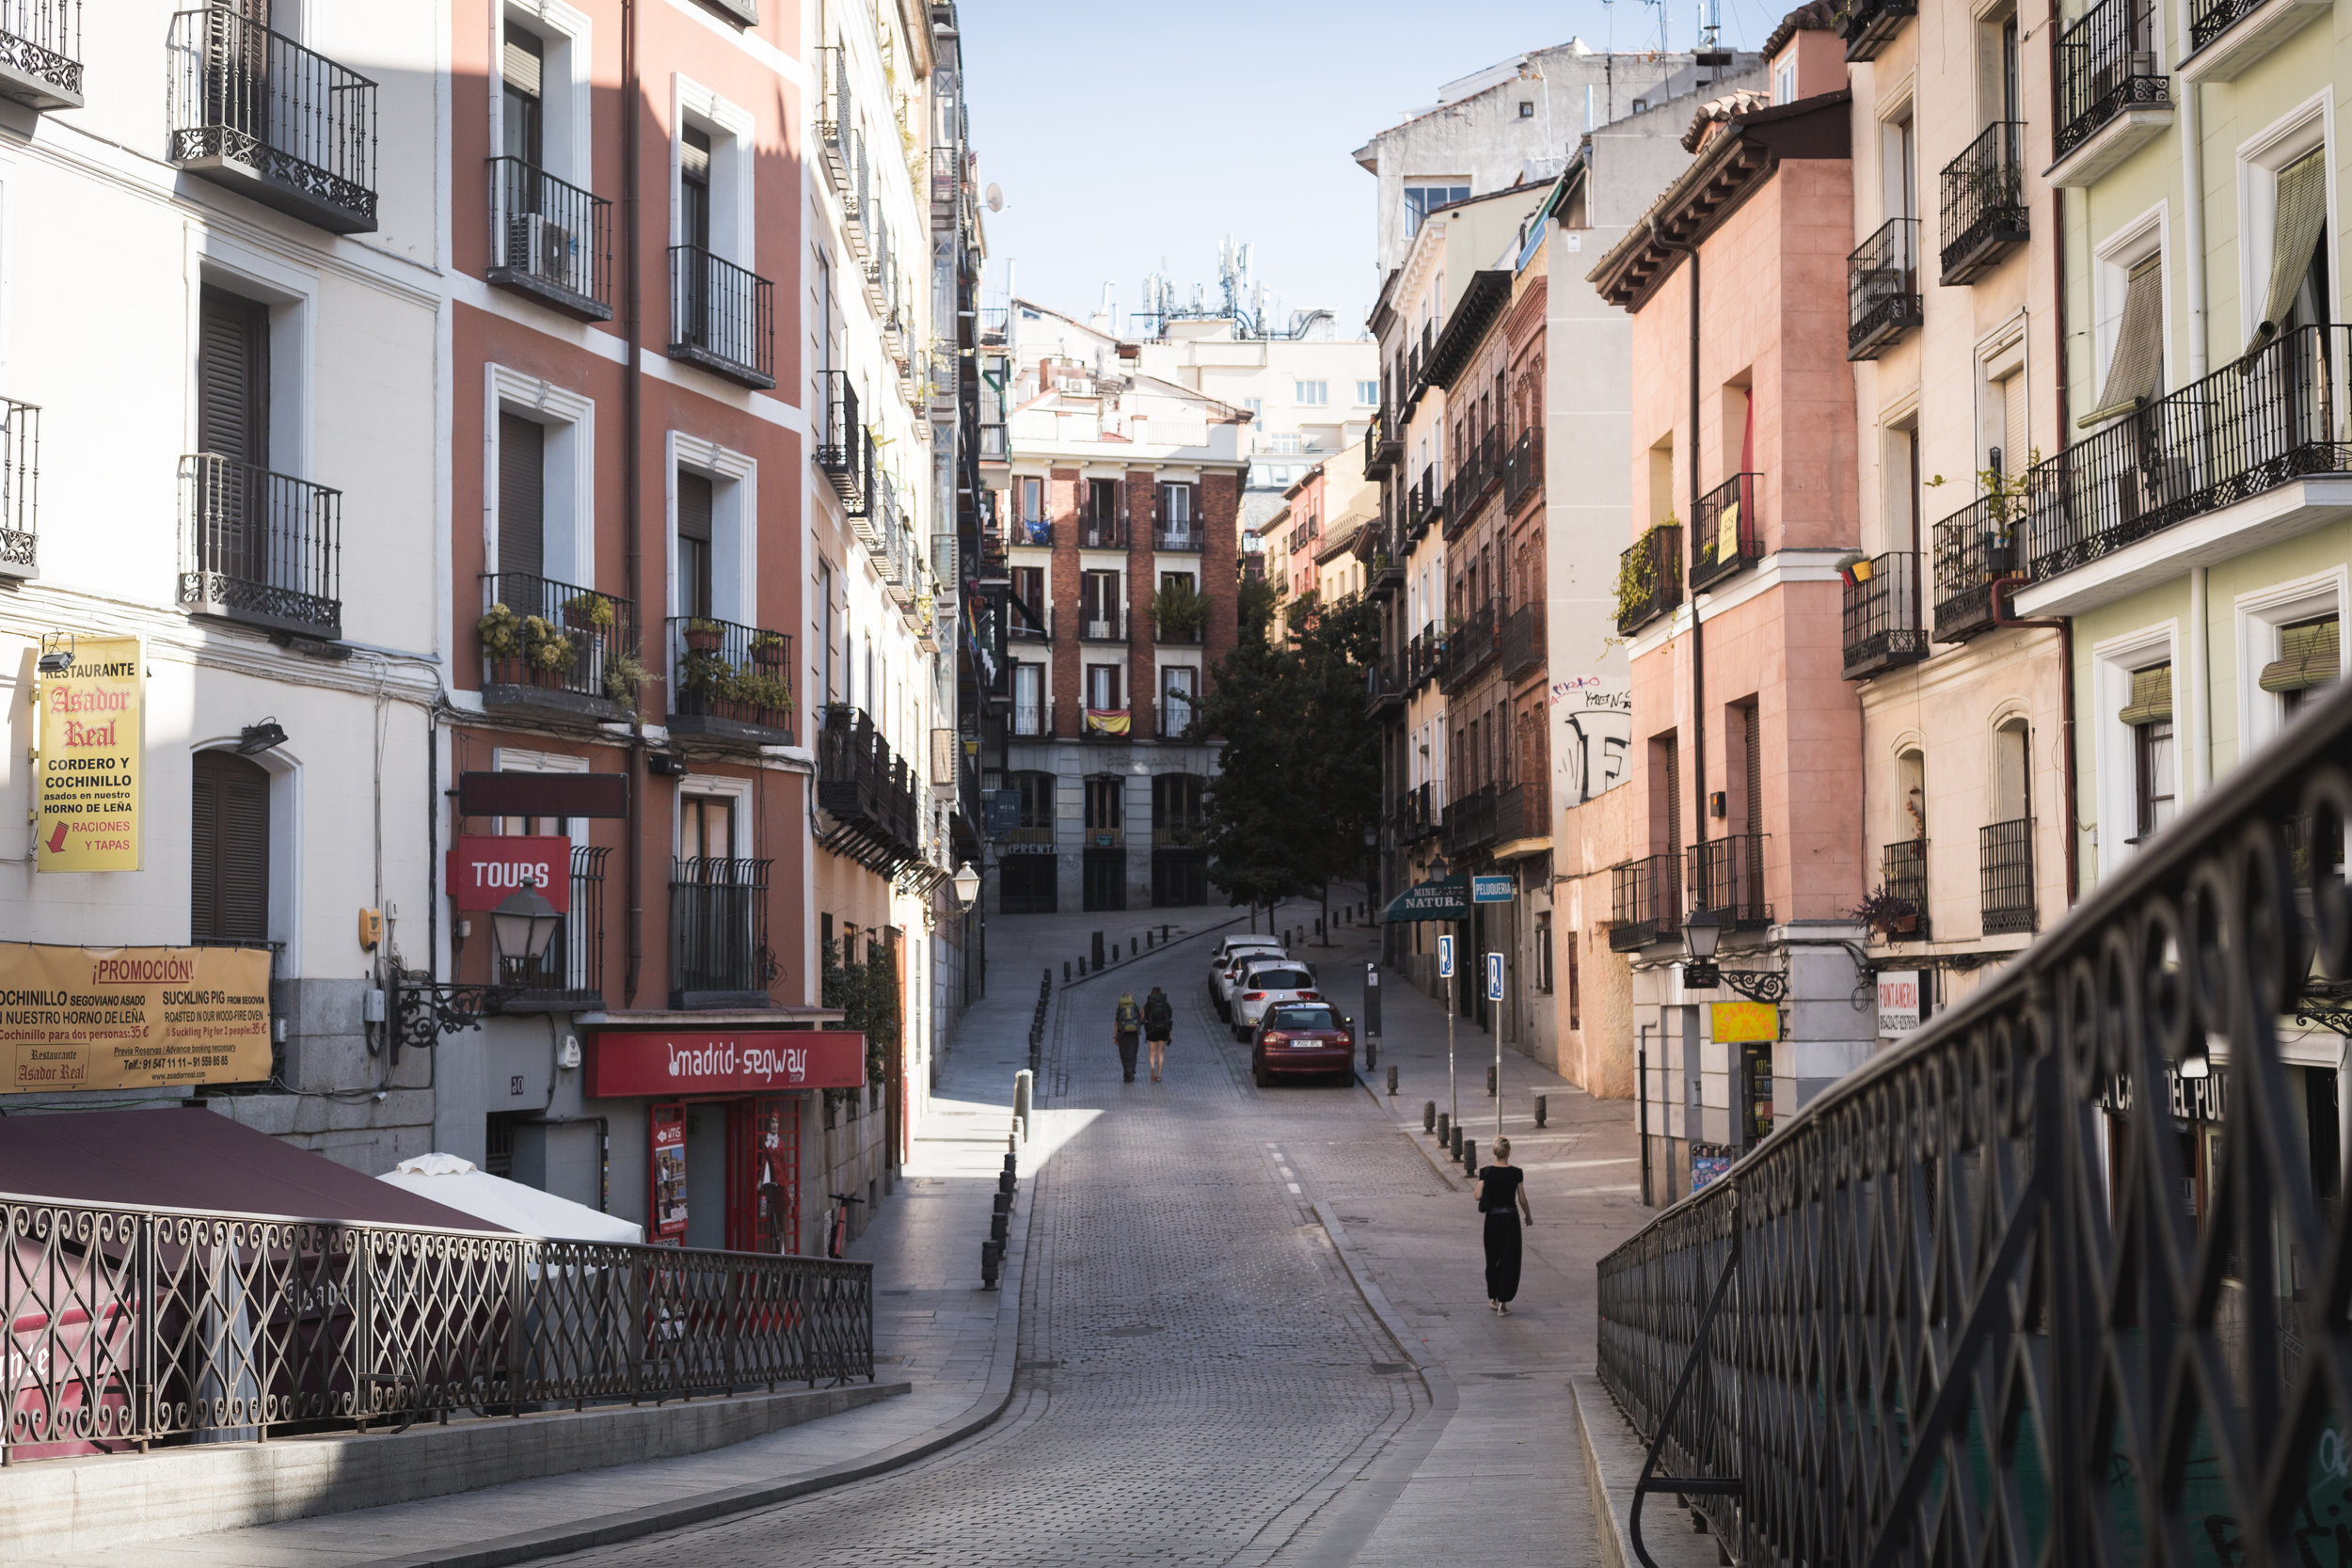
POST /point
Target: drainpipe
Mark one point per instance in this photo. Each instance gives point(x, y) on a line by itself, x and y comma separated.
point(1698, 638)
point(2198, 684)
point(633, 404)
point(2065, 629)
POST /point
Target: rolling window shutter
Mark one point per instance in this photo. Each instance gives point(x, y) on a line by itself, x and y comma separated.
point(2308, 654)
point(2014, 457)
point(694, 507)
point(521, 60)
point(228, 849)
point(1674, 796)
point(2152, 696)
point(203, 854)
point(2302, 210)
point(522, 495)
point(2139, 361)
point(233, 336)
point(1752, 723)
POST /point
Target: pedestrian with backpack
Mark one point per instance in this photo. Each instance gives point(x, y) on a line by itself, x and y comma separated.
point(1127, 1023)
point(1159, 1021)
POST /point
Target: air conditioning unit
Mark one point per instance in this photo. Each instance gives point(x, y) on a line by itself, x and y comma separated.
point(537, 244)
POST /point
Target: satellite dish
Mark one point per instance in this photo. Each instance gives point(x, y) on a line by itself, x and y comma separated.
point(995, 196)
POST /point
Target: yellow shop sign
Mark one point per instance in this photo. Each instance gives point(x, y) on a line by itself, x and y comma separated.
point(85, 786)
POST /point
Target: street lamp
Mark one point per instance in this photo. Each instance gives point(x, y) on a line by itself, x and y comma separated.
point(523, 925)
point(1701, 932)
point(967, 885)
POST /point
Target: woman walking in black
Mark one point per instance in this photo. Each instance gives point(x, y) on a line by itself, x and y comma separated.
point(1499, 1185)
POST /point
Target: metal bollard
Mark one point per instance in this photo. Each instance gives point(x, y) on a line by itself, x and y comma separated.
point(999, 1228)
point(1130, 947)
point(1023, 1086)
point(1457, 1143)
point(1065, 972)
point(1469, 1154)
point(1539, 1109)
point(1445, 1129)
point(1007, 1181)
point(1392, 1080)
point(1318, 925)
point(1149, 938)
point(1491, 1082)
point(1001, 1202)
point(991, 1260)
point(1164, 931)
point(1372, 1056)
point(1098, 949)
point(1428, 1112)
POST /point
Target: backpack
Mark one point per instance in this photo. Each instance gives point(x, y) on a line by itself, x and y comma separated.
point(1126, 1018)
point(1157, 1014)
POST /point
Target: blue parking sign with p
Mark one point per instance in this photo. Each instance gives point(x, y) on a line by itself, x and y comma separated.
point(1494, 977)
point(1445, 957)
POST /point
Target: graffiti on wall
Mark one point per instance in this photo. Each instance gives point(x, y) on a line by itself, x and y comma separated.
point(1598, 717)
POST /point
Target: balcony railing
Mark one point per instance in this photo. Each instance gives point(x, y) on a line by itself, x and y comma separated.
point(569, 975)
point(556, 645)
point(2106, 65)
point(2134, 1354)
point(1523, 646)
point(255, 111)
point(1427, 655)
point(1645, 901)
point(1881, 616)
point(719, 955)
point(19, 488)
point(1973, 553)
point(1104, 531)
point(1416, 818)
point(1867, 25)
point(1383, 691)
point(1522, 813)
point(1380, 446)
point(994, 448)
point(1108, 724)
point(1883, 289)
point(2208, 20)
point(1649, 577)
point(1469, 820)
point(1181, 533)
point(2275, 416)
point(259, 547)
point(1727, 877)
point(1469, 645)
point(1523, 471)
point(721, 317)
point(843, 448)
point(1984, 202)
point(1724, 532)
point(2005, 861)
point(730, 682)
point(870, 792)
point(1173, 718)
point(550, 240)
point(41, 52)
point(1903, 872)
point(1110, 629)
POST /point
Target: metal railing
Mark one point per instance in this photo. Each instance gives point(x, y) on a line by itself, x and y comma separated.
point(1523, 646)
point(1883, 627)
point(2106, 65)
point(261, 547)
point(1469, 820)
point(1416, 818)
point(1101, 531)
point(41, 42)
point(551, 239)
point(2005, 864)
point(1179, 534)
point(2060, 1272)
point(719, 929)
point(1649, 577)
point(1376, 444)
point(1645, 901)
point(742, 674)
point(1724, 535)
point(1984, 201)
point(1883, 289)
point(20, 487)
point(1469, 645)
point(1727, 877)
point(1867, 25)
point(1973, 551)
point(2209, 18)
point(570, 973)
point(721, 317)
point(556, 637)
point(1523, 810)
point(1903, 871)
point(1523, 471)
point(843, 448)
point(293, 120)
point(135, 1326)
point(867, 789)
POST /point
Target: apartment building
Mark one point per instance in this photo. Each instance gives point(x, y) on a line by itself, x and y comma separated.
point(219, 502)
point(1310, 543)
point(1746, 737)
point(1954, 338)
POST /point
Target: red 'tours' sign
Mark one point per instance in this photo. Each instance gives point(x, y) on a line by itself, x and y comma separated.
point(486, 870)
point(739, 1061)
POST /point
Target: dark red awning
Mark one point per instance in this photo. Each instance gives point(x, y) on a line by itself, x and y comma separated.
point(196, 1159)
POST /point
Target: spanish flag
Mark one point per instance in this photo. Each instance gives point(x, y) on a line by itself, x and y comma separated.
point(1106, 720)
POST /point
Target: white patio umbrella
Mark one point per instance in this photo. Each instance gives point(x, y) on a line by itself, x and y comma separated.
point(460, 1184)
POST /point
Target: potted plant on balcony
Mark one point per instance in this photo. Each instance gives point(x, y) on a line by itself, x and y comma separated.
point(1179, 610)
point(1887, 912)
point(770, 648)
point(703, 675)
point(589, 613)
point(546, 651)
point(624, 677)
point(502, 633)
point(758, 690)
point(703, 637)
point(1855, 568)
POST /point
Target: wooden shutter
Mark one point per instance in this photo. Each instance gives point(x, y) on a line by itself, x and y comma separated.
point(228, 849)
point(693, 506)
point(1753, 807)
point(233, 352)
point(522, 497)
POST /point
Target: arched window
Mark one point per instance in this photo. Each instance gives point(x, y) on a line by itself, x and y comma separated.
point(228, 849)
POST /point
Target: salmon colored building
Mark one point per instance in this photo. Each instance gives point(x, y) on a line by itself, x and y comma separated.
point(1745, 738)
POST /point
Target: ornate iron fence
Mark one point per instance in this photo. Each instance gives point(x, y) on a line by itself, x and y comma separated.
point(2004, 865)
point(2107, 63)
point(551, 239)
point(721, 317)
point(1724, 535)
point(261, 547)
point(243, 95)
point(1883, 289)
point(1984, 201)
point(41, 45)
point(131, 1326)
point(20, 486)
point(1881, 607)
point(718, 931)
point(1649, 577)
point(2062, 1278)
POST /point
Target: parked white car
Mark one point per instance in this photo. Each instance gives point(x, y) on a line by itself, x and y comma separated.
point(1225, 966)
point(1267, 983)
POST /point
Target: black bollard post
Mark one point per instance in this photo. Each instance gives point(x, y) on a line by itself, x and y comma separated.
point(1065, 972)
point(1392, 1080)
point(1445, 1129)
point(1539, 1110)
point(991, 1258)
point(1469, 1154)
point(1457, 1143)
point(1130, 947)
point(1428, 1112)
point(1372, 1056)
point(998, 1224)
point(1098, 949)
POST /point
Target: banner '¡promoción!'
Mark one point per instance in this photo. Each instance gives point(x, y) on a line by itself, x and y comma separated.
point(116, 1017)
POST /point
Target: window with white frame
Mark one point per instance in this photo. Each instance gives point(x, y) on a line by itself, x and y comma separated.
point(712, 538)
point(2284, 196)
point(1426, 195)
point(1368, 394)
point(2289, 651)
point(1312, 393)
point(540, 477)
point(2128, 330)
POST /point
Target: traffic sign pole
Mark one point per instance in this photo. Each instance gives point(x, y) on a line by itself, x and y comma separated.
point(1452, 1093)
point(1494, 994)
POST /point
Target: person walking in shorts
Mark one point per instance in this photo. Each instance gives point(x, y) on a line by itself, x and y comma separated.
point(1127, 1023)
point(1503, 1200)
point(1159, 1023)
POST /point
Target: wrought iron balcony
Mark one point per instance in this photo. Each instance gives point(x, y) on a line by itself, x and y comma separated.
point(1881, 615)
point(721, 317)
point(1645, 901)
point(1523, 471)
point(1470, 821)
point(557, 648)
point(1867, 25)
point(569, 975)
point(1416, 815)
point(549, 240)
point(1101, 530)
point(2130, 1356)
point(719, 955)
point(844, 451)
point(259, 547)
point(2005, 862)
point(1883, 289)
point(254, 111)
point(41, 52)
point(993, 445)
point(1523, 647)
point(1103, 628)
point(1181, 534)
point(19, 488)
point(868, 791)
point(2108, 66)
point(1470, 645)
point(1724, 534)
point(1727, 878)
point(1649, 577)
point(730, 682)
point(1903, 872)
point(1522, 813)
point(1974, 548)
point(1984, 202)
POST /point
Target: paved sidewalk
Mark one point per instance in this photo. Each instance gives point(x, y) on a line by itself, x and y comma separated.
point(934, 1329)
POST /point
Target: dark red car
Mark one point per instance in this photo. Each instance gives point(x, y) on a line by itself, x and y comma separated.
point(1298, 1037)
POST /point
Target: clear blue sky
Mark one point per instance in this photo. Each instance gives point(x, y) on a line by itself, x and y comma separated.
point(1129, 134)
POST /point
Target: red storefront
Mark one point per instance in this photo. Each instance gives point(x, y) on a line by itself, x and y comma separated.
point(724, 1110)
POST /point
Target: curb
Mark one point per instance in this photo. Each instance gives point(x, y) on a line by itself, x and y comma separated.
point(1613, 1460)
point(1442, 1394)
point(1446, 1169)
